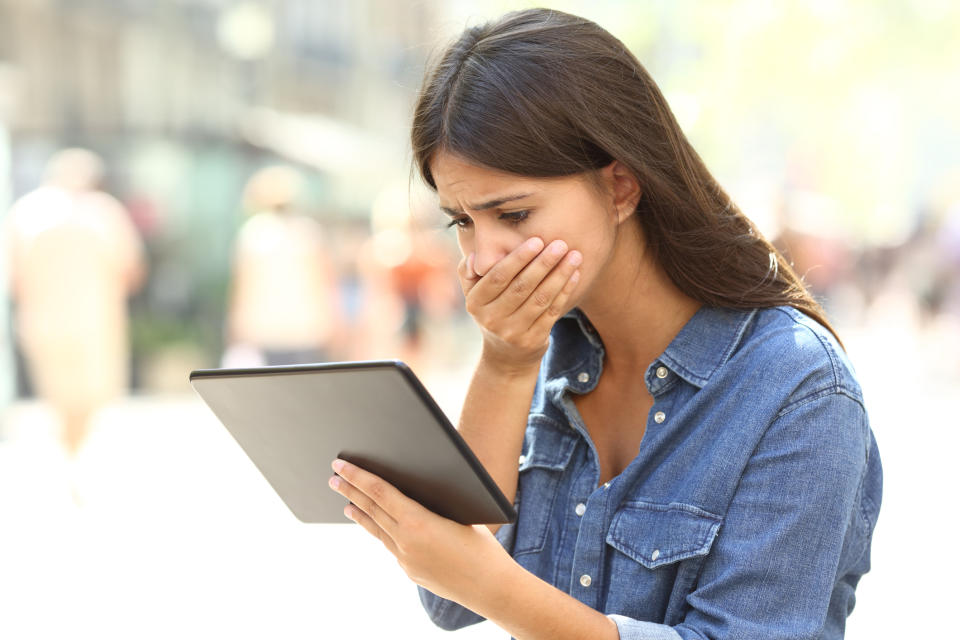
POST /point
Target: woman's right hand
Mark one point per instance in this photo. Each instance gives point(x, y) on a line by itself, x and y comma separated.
point(519, 299)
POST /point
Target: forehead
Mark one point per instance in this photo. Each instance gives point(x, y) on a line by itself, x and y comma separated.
point(453, 174)
point(457, 178)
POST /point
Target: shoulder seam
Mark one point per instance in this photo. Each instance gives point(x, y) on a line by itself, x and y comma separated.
point(836, 389)
point(831, 355)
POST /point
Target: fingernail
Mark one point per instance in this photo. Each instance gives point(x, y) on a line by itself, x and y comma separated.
point(575, 277)
point(335, 482)
point(575, 258)
point(337, 465)
point(558, 247)
point(535, 244)
point(470, 271)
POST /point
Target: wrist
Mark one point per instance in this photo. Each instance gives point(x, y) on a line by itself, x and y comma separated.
point(492, 590)
point(514, 369)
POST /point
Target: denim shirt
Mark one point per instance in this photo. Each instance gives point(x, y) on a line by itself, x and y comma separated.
point(749, 507)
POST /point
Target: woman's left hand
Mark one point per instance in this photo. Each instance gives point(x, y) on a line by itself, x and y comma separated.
point(452, 560)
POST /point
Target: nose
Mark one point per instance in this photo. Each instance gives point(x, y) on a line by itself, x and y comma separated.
point(490, 245)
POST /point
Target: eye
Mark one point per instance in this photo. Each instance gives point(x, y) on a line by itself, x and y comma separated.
point(516, 216)
point(461, 222)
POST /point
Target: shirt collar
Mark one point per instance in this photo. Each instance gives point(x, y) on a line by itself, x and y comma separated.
point(575, 357)
point(701, 347)
point(706, 342)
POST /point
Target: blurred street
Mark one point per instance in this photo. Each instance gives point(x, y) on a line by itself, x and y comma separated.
point(171, 532)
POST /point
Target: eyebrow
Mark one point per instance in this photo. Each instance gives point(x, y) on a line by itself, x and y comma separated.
point(492, 204)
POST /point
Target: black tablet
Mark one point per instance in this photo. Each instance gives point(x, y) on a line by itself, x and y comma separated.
point(293, 421)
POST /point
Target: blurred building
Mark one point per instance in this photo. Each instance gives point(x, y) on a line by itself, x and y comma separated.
point(194, 67)
point(186, 99)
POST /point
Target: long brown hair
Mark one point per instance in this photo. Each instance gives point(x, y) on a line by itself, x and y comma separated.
point(542, 93)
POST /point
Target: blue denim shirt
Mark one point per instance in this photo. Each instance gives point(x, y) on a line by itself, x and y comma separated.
point(749, 508)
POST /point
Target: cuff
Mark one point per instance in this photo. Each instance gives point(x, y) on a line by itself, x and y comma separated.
point(631, 629)
point(449, 615)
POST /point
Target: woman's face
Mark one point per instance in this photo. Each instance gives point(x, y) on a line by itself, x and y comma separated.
point(494, 212)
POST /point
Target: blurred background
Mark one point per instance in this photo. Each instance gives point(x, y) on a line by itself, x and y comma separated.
point(169, 171)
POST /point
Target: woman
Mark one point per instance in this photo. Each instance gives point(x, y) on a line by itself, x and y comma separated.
point(694, 456)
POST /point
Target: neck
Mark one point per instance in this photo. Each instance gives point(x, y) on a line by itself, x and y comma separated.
point(637, 310)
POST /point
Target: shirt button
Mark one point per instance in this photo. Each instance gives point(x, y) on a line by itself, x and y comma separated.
point(606, 485)
point(523, 458)
point(583, 377)
point(581, 509)
point(662, 372)
point(655, 554)
point(659, 417)
point(586, 580)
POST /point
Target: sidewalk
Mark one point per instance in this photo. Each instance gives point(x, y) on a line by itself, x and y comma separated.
point(174, 534)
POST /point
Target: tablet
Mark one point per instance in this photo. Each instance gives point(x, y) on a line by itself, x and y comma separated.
point(294, 420)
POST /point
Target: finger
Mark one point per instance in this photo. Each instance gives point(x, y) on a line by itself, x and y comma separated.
point(558, 307)
point(363, 502)
point(544, 299)
point(354, 512)
point(494, 281)
point(531, 280)
point(375, 496)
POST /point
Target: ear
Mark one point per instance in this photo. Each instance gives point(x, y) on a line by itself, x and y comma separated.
point(623, 187)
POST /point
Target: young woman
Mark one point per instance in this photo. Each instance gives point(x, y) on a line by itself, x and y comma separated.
point(694, 456)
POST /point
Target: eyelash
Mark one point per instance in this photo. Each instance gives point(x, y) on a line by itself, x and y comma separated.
point(514, 217)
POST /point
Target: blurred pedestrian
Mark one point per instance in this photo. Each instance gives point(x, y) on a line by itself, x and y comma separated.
point(408, 268)
point(283, 305)
point(74, 258)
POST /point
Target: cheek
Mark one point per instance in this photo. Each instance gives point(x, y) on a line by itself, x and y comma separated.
point(596, 244)
point(499, 240)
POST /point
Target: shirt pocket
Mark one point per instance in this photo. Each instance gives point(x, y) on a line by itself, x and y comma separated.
point(660, 549)
point(546, 455)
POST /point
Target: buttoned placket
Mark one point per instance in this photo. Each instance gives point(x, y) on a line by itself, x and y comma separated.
point(594, 514)
point(585, 574)
point(589, 507)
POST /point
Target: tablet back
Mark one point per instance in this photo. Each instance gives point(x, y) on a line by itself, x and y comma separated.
point(293, 421)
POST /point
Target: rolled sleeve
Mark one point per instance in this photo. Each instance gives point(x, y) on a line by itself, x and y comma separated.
point(631, 629)
point(449, 615)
